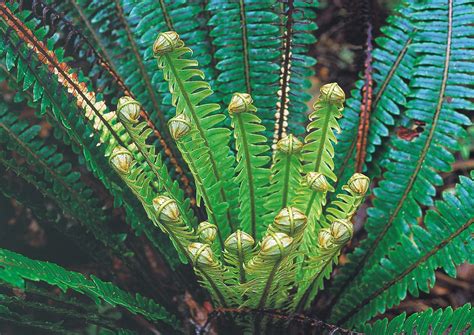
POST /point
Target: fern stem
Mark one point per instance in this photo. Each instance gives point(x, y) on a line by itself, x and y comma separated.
point(286, 180)
point(241, 258)
point(166, 15)
point(248, 164)
point(197, 123)
point(243, 20)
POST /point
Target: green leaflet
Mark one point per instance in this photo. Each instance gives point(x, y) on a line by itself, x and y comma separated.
point(412, 167)
point(251, 174)
point(439, 321)
point(393, 61)
point(208, 138)
point(297, 34)
point(247, 52)
point(444, 243)
point(15, 269)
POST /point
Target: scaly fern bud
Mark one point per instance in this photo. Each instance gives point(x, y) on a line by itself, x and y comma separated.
point(325, 238)
point(121, 159)
point(290, 221)
point(179, 126)
point(332, 93)
point(128, 109)
point(341, 231)
point(317, 182)
point(201, 254)
point(275, 244)
point(289, 145)
point(166, 42)
point(166, 209)
point(239, 240)
point(206, 232)
point(241, 103)
point(358, 183)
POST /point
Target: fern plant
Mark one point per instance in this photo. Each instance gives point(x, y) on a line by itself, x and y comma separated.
point(189, 121)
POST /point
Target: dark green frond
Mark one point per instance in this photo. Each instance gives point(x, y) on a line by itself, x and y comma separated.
point(411, 263)
point(394, 59)
point(439, 321)
point(16, 269)
point(438, 91)
point(297, 33)
point(248, 52)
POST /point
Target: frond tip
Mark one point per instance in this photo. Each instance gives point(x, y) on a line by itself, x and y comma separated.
point(167, 42)
point(121, 159)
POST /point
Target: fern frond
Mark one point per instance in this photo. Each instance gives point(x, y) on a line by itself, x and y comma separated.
point(285, 176)
point(439, 321)
point(318, 149)
point(128, 114)
point(16, 269)
point(269, 272)
point(297, 33)
point(247, 52)
point(393, 61)
point(321, 254)
point(208, 138)
point(412, 166)
point(410, 264)
point(250, 172)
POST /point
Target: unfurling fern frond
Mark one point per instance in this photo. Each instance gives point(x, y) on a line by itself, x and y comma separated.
point(285, 176)
point(128, 112)
point(439, 321)
point(411, 263)
point(208, 138)
point(252, 157)
point(336, 232)
point(318, 151)
point(413, 166)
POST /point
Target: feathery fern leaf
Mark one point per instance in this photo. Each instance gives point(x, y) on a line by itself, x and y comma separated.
point(393, 61)
point(247, 52)
point(297, 21)
point(444, 243)
point(318, 149)
point(208, 138)
point(250, 172)
point(15, 269)
point(439, 321)
point(285, 176)
point(412, 166)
